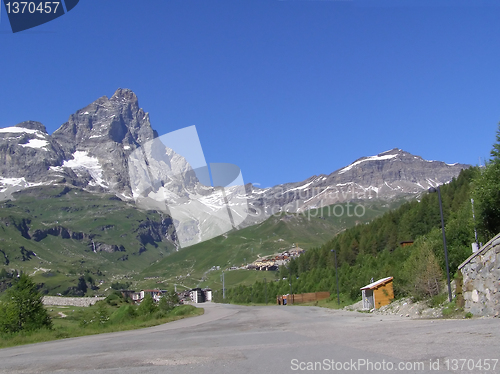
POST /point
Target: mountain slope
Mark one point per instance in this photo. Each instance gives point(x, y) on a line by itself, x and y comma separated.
point(67, 231)
point(276, 234)
point(386, 176)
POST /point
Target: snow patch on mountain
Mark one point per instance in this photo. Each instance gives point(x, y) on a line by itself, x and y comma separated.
point(371, 158)
point(82, 161)
point(12, 130)
point(5, 183)
point(36, 143)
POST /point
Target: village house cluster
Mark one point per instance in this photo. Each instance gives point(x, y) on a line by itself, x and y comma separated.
point(139, 296)
point(195, 295)
point(275, 261)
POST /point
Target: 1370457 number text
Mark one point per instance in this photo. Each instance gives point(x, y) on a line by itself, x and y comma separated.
point(32, 6)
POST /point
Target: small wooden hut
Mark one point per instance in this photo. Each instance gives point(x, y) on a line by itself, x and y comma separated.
point(378, 293)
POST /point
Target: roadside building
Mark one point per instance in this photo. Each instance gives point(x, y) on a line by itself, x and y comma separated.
point(197, 295)
point(155, 294)
point(378, 293)
point(208, 294)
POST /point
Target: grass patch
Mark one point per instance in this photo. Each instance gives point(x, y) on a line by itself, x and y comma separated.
point(437, 300)
point(451, 310)
point(70, 327)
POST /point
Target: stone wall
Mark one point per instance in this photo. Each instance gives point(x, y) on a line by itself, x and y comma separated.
point(481, 280)
point(73, 301)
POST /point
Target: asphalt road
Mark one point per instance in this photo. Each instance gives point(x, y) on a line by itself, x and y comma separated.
point(274, 339)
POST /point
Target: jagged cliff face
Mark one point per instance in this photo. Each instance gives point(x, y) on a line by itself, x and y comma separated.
point(89, 151)
point(27, 154)
point(98, 139)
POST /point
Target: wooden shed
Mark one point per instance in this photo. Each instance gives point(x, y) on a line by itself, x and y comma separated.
point(378, 293)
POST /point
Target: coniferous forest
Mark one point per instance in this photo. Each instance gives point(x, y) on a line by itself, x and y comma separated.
point(376, 250)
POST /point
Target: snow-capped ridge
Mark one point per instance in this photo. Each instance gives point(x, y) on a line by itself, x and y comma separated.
point(366, 159)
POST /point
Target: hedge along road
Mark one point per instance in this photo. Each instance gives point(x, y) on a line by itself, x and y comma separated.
point(273, 339)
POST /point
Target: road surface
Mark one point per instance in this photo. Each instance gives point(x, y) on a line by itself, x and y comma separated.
point(273, 339)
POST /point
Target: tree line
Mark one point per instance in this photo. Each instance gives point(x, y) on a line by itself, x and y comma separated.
point(373, 250)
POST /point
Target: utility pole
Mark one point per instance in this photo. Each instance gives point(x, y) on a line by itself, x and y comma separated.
point(336, 276)
point(223, 287)
point(432, 190)
point(474, 219)
point(265, 287)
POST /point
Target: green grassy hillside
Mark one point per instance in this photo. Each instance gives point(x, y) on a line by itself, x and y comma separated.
point(192, 266)
point(74, 242)
point(60, 233)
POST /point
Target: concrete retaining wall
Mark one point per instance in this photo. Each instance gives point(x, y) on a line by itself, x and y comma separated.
point(481, 280)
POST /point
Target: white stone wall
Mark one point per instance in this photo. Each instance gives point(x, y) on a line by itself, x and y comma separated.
point(73, 301)
point(481, 280)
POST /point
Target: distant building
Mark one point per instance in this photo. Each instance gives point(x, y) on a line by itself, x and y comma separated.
point(197, 295)
point(155, 294)
point(131, 294)
point(378, 293)
point(139, 296)
point(208, 294)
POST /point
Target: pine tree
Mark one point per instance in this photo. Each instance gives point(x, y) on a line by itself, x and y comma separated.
point(495, 152)
point(487, 193)
point(22, 308)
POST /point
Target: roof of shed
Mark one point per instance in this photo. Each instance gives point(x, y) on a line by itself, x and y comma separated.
point(376, 284)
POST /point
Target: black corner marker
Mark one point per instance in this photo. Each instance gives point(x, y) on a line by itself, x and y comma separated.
point(25, 15)
point(70, 4)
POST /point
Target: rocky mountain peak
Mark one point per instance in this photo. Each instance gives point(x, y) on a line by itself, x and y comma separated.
point(118, 119)
point(393, 151)
point(385, 176)
point(98, 139)
point(32, 125)
point(125, 95)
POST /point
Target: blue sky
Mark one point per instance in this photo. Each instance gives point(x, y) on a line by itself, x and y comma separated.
point(283, 89)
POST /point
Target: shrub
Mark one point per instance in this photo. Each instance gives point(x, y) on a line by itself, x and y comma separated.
point(96, 315)
point(147, 306)
point(168, 301)
point(422, 271)
point(124, 313)
point(115, 299)
point(182, 310)
point(22, 308)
